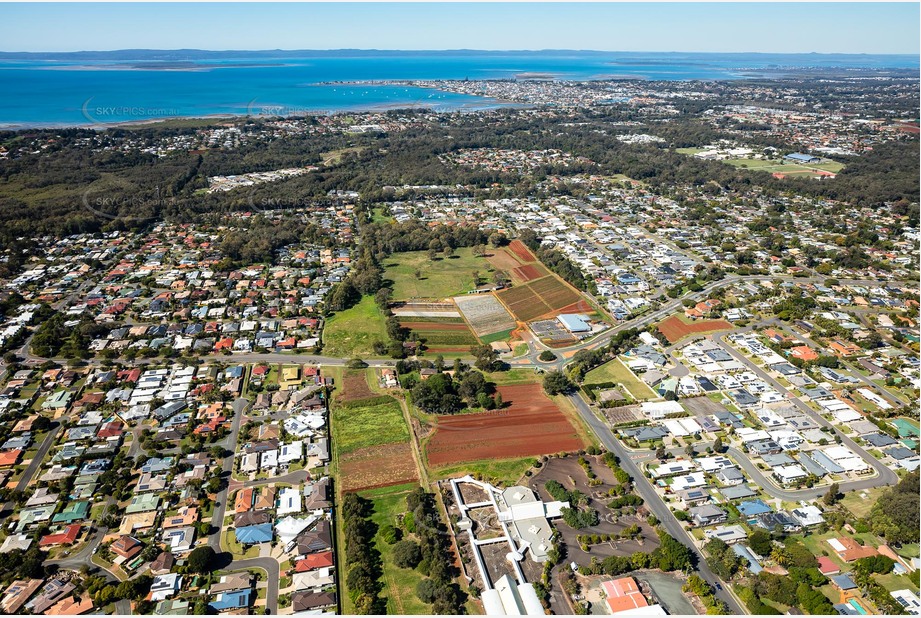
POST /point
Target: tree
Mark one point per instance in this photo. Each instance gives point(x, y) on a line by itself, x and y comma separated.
point(471, 385)
point(486, 357)
point(214, 485)
point(497, 240)
point(831, 496)
point(760, 542)
point(896, 512)
point(343, 296)
point(547, 356)
point(718, 445)
point(425, 590)
point(407, 554)
point(390, 534)
point(201, 560)
point(556, 382)
point(382, 297)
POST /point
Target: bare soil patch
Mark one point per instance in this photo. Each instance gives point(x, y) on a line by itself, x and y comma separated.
point(674, 329)
point(377, 466)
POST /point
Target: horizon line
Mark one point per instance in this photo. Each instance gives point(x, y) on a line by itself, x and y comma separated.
point(454, 50)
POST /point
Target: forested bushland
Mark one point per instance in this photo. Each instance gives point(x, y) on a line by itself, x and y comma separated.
point(67, 188)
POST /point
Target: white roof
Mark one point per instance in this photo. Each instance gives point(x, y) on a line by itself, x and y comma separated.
point(289, 501)
point(661, 407)
point(695, 479)
point(676, 428)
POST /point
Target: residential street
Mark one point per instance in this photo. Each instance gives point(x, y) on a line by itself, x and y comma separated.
point(653, 501)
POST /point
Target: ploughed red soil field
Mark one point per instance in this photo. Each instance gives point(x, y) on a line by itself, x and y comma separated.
point(521, 251)
point(529, 424)
point(674, 329)
point(529, 272)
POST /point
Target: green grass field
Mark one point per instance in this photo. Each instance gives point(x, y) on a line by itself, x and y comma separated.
point(513, 376)
point(773, 165)
point(891, 582)
point(353, 332)
point(441, 278)
point(504, 472)
point(616, 371)
point(357, 426)
point(502, 335)
point(399, 584)
point(858, 505)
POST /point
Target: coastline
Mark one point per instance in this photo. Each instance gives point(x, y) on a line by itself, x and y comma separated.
point(487, 105)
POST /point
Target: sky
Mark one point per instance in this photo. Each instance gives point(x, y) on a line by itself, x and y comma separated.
point(787, 27)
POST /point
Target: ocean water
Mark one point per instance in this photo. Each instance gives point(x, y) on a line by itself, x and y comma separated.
point(70, 91)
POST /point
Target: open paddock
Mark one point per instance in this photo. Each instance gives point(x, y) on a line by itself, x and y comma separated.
point(438, 279)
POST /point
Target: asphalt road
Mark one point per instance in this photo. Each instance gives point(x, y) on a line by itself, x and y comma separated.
point(36, 462)
point(269, 565)
point(272, 568)
point(795, 495)
point(230, 444)
point(653, 501)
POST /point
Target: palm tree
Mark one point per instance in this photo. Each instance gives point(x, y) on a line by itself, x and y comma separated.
point(779, 555)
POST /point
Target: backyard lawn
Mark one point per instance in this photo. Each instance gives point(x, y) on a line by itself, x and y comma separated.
point(353, 332)
point(857, 504)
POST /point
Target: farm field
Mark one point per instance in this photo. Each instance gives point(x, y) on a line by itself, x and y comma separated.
point(539, 297)
point(377, 466)
point(354, 385)
point(530, 424)
point(520, 263)
point(442, 333)
point(439, 278)
point(354, 331)
point(485, 314)
point(616, 371)
point(368, 422)
point(674, 328)
point(370, 435)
